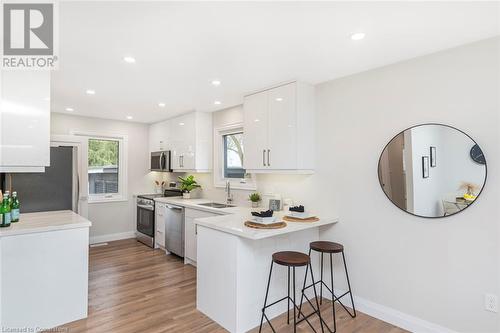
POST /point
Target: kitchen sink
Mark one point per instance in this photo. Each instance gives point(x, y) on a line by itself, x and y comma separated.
point(216, 205)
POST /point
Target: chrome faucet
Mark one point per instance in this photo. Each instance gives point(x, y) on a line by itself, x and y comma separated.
point(229, 196)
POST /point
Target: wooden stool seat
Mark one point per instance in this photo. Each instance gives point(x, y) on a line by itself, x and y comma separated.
point(291, 258)
point(327, 247)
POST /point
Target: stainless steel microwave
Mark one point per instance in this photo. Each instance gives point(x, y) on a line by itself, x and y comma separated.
point(160, 161)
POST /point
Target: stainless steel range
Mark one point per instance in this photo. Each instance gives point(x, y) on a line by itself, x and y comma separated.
point(146, 215)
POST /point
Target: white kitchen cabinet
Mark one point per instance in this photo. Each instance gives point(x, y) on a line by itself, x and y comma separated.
point(190, 232)
point(24, 121)
point(279, 130)
point(160, 225)
point(188, 137)
point(255, 131)
point(159, 136)
point(191, 142)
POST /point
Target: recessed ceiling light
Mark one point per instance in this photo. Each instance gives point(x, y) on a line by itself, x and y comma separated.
point(128, 59)
point(130, 117)
point(217, 103)
point(358, 36)
point(216, 83)
point(181, 124)
point(279, 99)
point(90, 92)
point(161, 104)
point(70, 109)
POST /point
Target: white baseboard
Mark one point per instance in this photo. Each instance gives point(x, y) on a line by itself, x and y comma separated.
point(390, 315)
point(112, 237)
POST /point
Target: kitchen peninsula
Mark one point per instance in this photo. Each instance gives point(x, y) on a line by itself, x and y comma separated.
point(233, 266)
point(44, 271)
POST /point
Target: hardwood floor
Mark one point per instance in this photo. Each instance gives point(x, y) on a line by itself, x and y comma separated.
point(133, 288)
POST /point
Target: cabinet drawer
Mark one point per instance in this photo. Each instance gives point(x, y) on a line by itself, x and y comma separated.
point(160, 238)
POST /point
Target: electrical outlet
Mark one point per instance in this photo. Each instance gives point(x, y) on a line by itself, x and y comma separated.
point(491, 302)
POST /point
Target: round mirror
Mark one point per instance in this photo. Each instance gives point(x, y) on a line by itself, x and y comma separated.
point(432, 170)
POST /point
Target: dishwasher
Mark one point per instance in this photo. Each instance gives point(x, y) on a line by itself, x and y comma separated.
point(174, 229)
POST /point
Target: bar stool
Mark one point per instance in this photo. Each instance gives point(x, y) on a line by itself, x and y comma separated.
point(330, 248)
point(292, 260)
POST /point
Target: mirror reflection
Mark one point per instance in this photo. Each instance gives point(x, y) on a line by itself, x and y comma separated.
point(432, 170)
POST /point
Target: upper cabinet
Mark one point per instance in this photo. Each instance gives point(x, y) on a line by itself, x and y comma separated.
point(24, 121)
point(188, 137)
point(279, 130)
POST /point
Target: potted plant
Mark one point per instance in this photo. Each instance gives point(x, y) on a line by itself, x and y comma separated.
point(187, 185)
point(255, 199)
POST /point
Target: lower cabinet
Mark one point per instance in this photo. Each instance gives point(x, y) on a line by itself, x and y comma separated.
point(190, 233)
point(160, 225)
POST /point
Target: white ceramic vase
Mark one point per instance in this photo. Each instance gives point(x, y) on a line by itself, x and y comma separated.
point(186, 195)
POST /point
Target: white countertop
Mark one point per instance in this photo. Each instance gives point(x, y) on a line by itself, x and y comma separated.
point(232, 219)
point(44, 222)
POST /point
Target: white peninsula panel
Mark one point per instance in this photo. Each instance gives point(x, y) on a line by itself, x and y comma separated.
point(44, 270)
point(233, 267)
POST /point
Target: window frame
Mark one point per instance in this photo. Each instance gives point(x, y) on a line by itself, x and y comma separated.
point(248, 184)
point(122, 194)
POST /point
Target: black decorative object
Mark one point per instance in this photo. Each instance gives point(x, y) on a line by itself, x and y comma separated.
point(433, 157)
point(477, 155)
point(266, 213)
point(425, 166)
point(298, 209)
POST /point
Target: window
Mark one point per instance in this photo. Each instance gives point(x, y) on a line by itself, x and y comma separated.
point(233, 156)
point(229, 156)
point(103, 166)
point(106, 166)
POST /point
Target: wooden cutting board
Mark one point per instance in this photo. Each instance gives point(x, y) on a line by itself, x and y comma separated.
point(295, 219)
point(277, 225)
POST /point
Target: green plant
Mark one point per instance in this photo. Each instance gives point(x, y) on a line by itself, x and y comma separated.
point(254, 197)
point(188, 184)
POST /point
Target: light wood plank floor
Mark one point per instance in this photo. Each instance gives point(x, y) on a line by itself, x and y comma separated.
point(133, 288)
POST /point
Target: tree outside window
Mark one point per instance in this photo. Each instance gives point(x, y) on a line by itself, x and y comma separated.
point(103, 167)
point(233, 156)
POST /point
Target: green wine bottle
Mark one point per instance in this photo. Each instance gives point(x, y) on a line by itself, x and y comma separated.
point(14, 208)
point(5, 211)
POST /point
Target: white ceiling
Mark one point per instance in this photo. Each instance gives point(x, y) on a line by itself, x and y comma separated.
point(181, 47)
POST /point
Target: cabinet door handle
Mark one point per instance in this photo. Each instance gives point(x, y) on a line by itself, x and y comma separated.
point(196, 229)
point(263, 157)
point(268, 157)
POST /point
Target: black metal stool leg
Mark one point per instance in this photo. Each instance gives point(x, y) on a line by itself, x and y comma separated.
point(349, 285)
point(316, 297)
point(294, 304)
point(265, 299)
point(333, 295)
point(288, 311)
point(304, 287)
point(321, 284)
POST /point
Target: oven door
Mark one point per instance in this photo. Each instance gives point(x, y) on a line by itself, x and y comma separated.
point(146, 219)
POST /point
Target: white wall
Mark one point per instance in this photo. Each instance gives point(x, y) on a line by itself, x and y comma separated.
point(436, 270)
point(115, 218)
